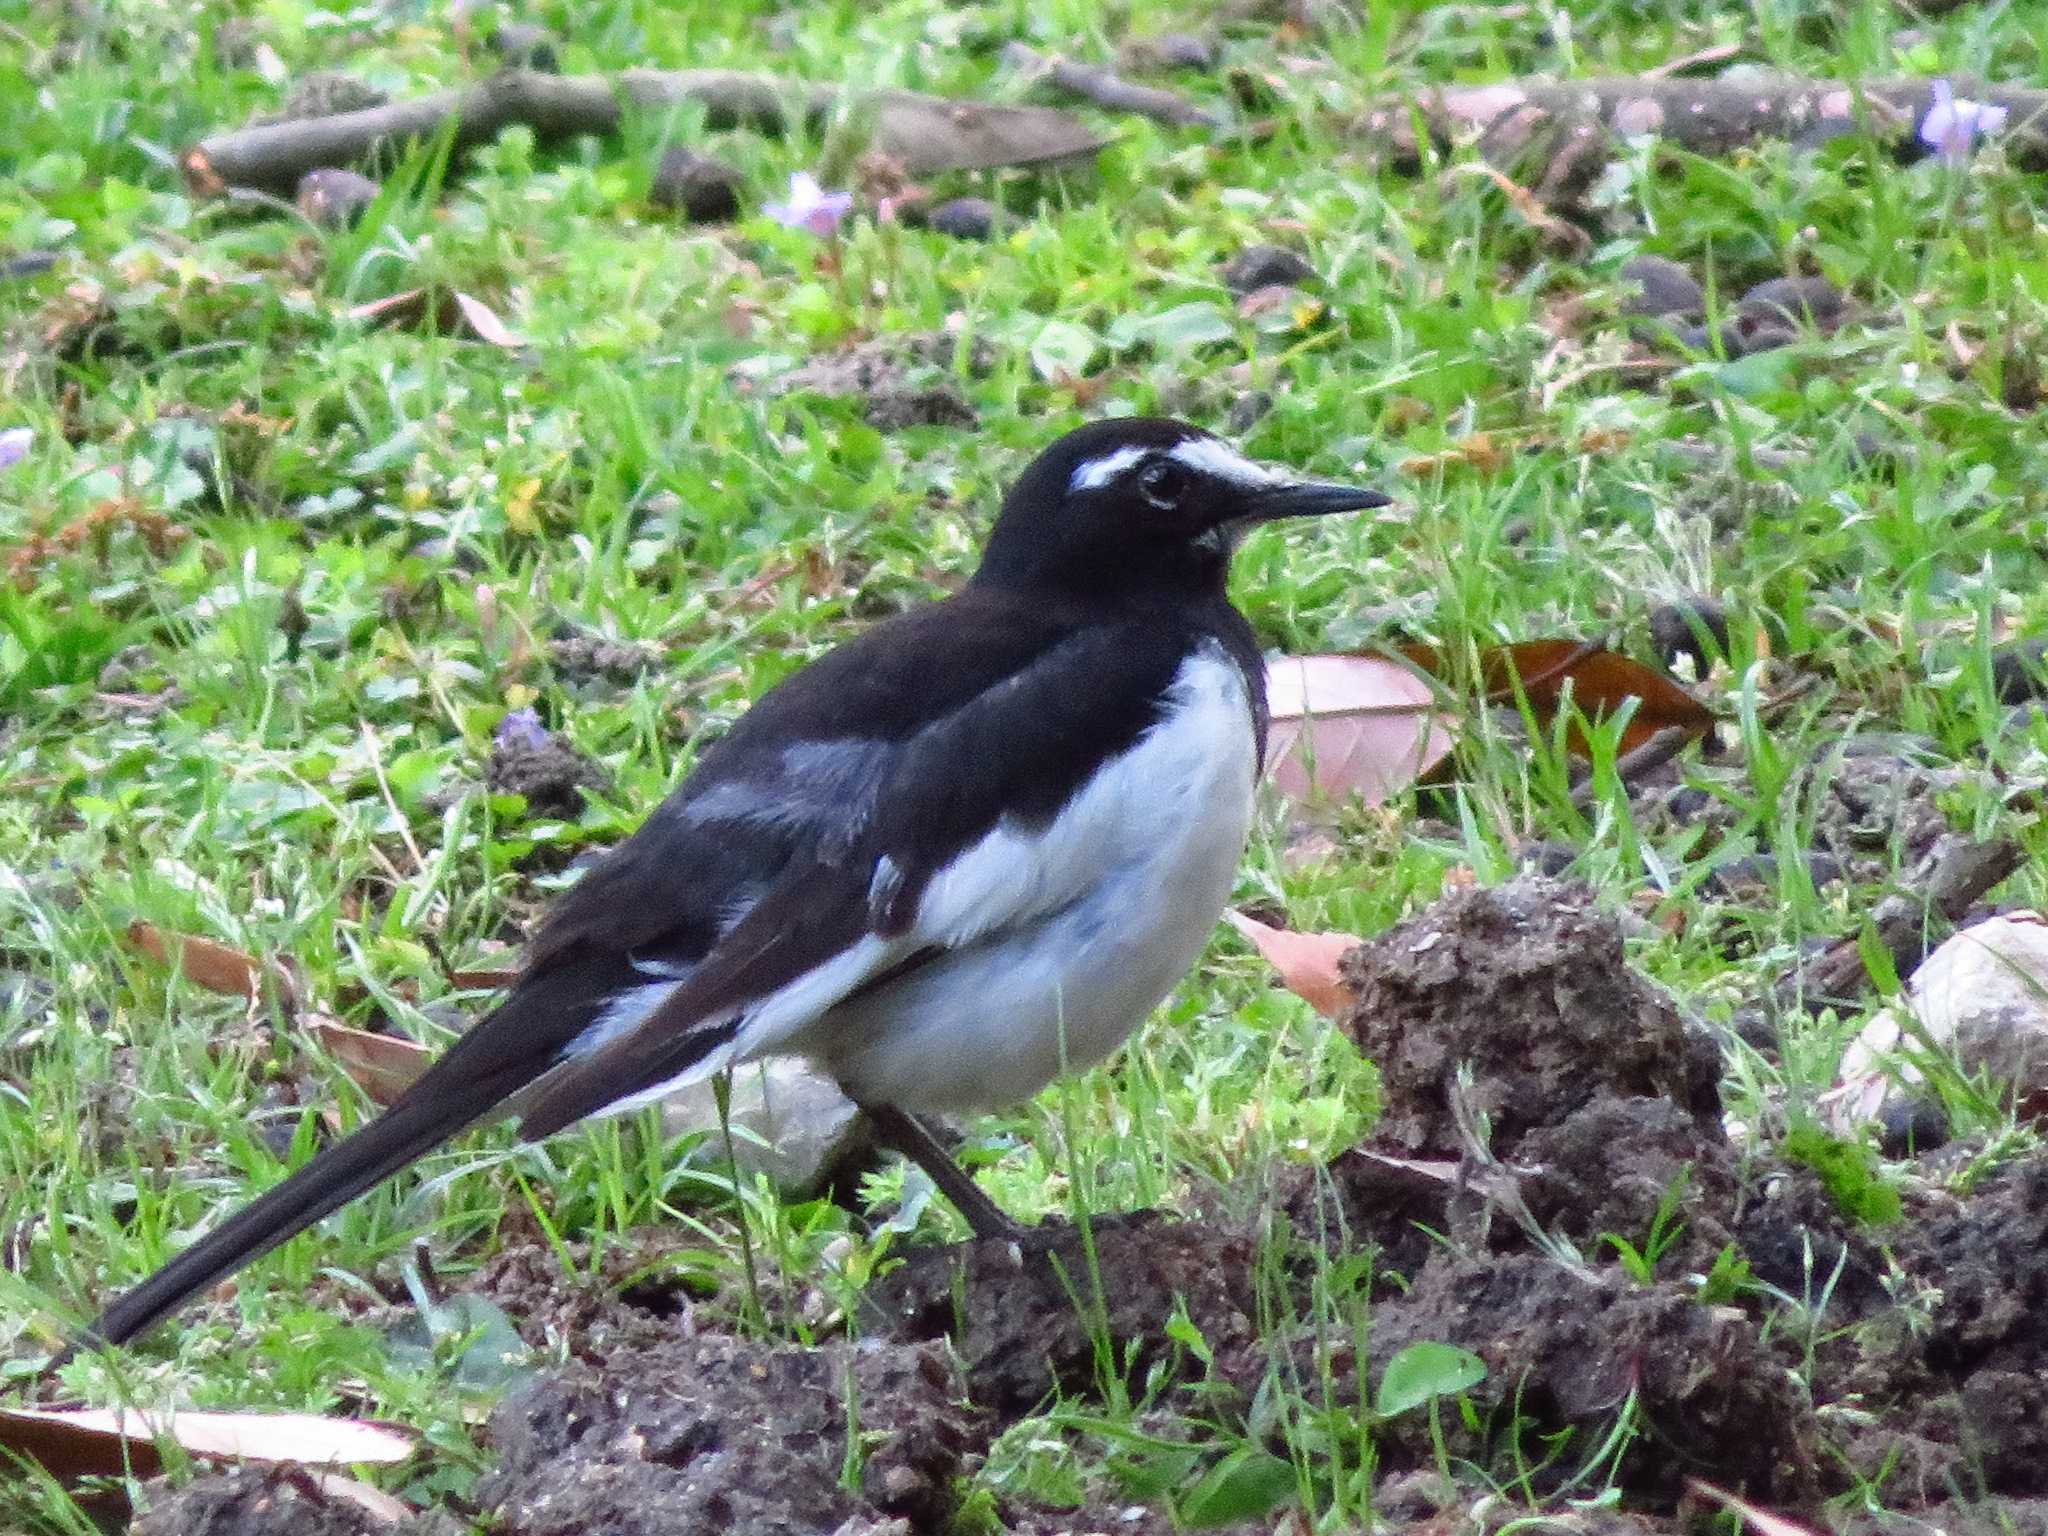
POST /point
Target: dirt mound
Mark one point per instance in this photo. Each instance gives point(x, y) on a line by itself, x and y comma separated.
point(253, 1501)
point(731, 1435)
point(1695, 1386)
point(1058, 1307)
point(1525, 984)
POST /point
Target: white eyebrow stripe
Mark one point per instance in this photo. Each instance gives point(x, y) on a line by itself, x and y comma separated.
point(1209, 456)
point(1096, 473)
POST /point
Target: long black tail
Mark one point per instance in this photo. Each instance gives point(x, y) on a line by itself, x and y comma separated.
point(436, 1107)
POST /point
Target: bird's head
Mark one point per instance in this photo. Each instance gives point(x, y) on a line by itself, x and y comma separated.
point(1143, 505)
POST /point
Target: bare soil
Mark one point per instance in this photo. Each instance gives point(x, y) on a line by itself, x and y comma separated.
point(1911, 1358)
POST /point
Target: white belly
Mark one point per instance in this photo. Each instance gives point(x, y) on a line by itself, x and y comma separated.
point(1150, 846)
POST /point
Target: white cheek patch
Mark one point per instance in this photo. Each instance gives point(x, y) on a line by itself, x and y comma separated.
point(1209, 456)
point(1096, 473)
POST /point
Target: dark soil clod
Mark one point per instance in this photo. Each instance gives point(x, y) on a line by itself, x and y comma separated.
point(1527, 984)
point(730, 1435)
point(1019, 1314)
point(703, 189)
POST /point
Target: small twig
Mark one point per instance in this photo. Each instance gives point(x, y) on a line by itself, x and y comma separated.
point(1645, 759)
point(1719, 53)
point(929, 134)
point(1110, 90)
point(1956, 872)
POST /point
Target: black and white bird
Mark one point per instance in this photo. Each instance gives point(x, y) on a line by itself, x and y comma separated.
point(955, 858)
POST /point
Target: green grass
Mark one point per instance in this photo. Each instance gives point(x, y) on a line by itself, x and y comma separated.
point(437, 509)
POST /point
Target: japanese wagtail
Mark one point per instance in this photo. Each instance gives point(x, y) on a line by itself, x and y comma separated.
point(949, 861)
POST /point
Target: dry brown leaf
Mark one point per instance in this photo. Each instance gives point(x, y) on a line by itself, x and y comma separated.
point(1598, 680)
point(1307, 962)
point(383, 1066)
point(1344, 725)
point(89, 1442)
point(206, 964)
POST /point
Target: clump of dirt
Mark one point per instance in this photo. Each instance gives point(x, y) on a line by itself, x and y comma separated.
point(731, 1435)
point(1526, 984)
point(1875, 798)
point(1575, 1349)
point(902, 381)
point(580, 657)
point(1950, 1368)
point(252, 1501)
point(1027, 1317)
point(545, 768)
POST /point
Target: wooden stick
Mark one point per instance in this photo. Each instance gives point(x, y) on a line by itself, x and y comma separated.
point(929, 134)
point(1585, 119)
point(1946, 883)
point(1109, 90)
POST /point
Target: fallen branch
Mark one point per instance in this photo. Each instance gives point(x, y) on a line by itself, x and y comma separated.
point(1109, 90)
point(1633, 765)
point(1575, 124)
point(928, 134)
point(1955, 874)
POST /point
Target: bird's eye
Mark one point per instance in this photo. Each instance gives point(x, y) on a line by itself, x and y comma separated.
point(1161, 482)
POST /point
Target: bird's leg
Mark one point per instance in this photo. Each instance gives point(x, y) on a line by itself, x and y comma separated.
point(904, 1133)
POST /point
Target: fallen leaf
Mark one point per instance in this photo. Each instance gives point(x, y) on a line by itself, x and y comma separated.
point(1480, 452)
point(1345, 725)
point(1599, 682)
point(380, 1506)
point(101, 1442)
point(207, 964)
point(1307, 962)
point(1761, 1520)
point(485, 322)
point(383, 1066)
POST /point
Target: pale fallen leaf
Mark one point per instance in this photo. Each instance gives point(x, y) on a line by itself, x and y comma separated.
point(1344, 725)
point(207, 964)
point(383, 1066)
point(1307, 962)
point(89, 1442)
point(1981, 996)
point(382, 1507)
point(1760, 1520)
point(485, 322)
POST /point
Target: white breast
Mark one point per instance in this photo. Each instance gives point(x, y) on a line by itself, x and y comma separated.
point(1070, 933)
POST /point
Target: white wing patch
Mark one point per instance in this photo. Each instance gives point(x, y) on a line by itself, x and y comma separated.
point(1211, 456)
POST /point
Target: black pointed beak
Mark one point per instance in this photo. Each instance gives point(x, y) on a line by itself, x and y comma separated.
point(1313, 498)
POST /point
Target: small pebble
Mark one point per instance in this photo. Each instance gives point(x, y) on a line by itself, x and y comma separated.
point(1248, 410)
point(1793, 301)
point(1172, 50)
point(335, 199)
point(702, 189)
point(524, 46)
point(1661, 287)
point(1911, 1123)
point(1693, 627)
point(1265, 266)
point(2020, 672)
point(964, 218)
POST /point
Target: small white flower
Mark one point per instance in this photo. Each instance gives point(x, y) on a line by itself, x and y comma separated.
point(810, 206)
point(15, 443)
point(1953, 124)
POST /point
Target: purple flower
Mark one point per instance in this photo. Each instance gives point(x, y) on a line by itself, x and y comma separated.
point(810, 206)
point(14, 445)
point(1953, 124)
point(521, 729)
